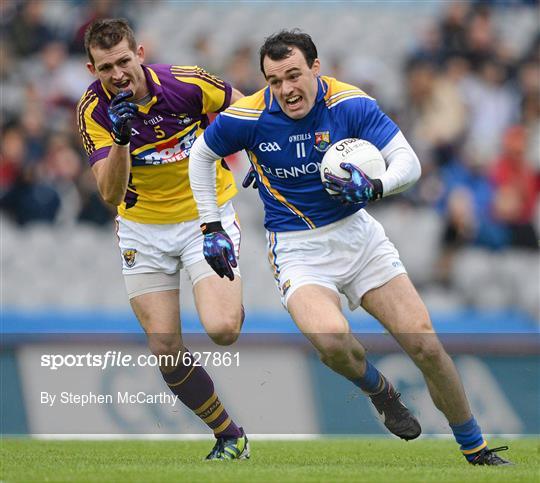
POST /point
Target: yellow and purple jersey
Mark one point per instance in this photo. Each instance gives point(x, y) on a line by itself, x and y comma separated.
point(162, 135)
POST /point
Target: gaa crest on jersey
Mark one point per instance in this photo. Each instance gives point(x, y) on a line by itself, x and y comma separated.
point(322, 141)
point(129, 256)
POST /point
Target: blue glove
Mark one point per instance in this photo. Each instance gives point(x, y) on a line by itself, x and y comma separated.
point(358, 189)
point(250, 179)
point(121, 113)
point(218, 249)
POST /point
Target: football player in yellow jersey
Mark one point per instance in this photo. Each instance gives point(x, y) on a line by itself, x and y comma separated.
point(138, 123)
point(320, 244)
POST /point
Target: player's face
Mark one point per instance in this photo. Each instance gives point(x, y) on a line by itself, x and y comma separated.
point(293, 83)
point(119, 68)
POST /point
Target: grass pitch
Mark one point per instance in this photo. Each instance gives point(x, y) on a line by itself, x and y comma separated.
point(327, 460)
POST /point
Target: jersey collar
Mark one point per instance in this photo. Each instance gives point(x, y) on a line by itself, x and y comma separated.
point(273, 105)
point(154, 86)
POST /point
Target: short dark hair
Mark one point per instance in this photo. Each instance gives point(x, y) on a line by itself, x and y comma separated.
point(279, 46)
point(106, 33)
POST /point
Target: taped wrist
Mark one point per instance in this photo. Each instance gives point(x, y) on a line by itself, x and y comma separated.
point(211, 227)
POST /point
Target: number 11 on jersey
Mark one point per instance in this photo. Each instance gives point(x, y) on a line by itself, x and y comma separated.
point(300, 150)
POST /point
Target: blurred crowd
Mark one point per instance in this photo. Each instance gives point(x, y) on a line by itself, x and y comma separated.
point(471, 110)
point(472, 113)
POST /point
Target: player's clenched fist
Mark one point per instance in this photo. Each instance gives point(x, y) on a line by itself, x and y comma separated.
point(218, 249)
point(121, 113)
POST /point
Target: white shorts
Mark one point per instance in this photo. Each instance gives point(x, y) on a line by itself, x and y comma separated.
point(162, 250)
point(350, 256)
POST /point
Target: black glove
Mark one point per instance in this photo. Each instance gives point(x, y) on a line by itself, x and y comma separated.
point(218, 249)
point(250, 179)
point(121, 113)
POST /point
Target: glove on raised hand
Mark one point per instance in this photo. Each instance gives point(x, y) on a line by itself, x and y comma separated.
point(121, 113)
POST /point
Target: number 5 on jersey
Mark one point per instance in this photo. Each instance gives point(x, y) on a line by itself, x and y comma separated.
point(159, 132)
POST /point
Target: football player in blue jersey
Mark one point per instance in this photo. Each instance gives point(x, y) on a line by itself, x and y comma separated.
point(322, 245)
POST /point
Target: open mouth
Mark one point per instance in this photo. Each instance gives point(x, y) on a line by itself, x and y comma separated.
point(121, 85)
point(293, 101)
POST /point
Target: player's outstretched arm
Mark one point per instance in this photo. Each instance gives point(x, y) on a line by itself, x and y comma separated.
point(218, 248)
point(202, 178)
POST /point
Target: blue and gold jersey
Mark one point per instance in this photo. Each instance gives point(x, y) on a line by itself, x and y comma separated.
point(287, 153)
point(162, 136)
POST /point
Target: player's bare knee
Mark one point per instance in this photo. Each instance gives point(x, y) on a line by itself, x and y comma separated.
point(427, 351)
point(165, 344)
point(224, 338)
point(334, 349)
point(226, 329)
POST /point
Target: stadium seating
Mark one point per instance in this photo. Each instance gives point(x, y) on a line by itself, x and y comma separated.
point(78, 266)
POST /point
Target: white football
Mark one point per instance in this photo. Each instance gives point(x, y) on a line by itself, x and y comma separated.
point(358, 152)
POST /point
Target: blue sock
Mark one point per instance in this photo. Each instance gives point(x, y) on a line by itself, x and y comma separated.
point(469, 437)
point(370, 382)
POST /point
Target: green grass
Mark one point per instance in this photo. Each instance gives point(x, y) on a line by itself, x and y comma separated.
point(327, 460)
